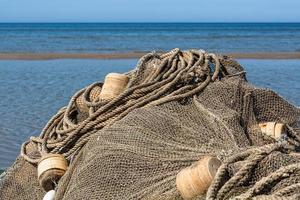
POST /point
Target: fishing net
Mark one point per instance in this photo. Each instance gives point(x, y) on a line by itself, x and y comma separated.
point(177, 108)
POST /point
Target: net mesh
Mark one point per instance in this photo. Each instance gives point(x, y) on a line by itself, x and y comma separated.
point(137, 155)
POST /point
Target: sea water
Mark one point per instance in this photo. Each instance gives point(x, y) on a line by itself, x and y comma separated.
point(131, 37)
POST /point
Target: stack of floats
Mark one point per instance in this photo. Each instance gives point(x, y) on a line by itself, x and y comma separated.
point(190, 182)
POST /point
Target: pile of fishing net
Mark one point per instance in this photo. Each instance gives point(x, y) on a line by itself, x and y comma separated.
point(177, 108)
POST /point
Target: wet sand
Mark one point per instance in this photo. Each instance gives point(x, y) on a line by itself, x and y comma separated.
point(50, 56)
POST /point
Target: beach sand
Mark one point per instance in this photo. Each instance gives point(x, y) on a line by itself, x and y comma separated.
point(49, 56)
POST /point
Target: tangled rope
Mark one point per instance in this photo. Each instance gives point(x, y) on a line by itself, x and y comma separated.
point(221, 186)
point(177, 76)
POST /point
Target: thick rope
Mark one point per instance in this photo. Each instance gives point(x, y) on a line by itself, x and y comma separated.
point(177, 76)
point(221, 186)
point(282, 173)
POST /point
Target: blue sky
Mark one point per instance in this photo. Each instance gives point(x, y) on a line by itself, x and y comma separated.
point(149, 11)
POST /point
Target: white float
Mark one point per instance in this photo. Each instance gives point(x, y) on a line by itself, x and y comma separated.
point(49, 195)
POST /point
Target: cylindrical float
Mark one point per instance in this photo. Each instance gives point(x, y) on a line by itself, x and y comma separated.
point(114, 85)
point(50, 169)
point(273, 129)
point(196, 179)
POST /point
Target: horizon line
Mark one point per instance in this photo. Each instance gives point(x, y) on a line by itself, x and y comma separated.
point(246, 22)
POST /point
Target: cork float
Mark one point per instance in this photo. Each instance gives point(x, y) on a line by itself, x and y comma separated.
point(50, 169)
point(196, 179)
point(113, 85)
point(272, 129)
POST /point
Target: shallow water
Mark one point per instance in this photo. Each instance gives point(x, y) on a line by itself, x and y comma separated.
point(283, 76)
point(128, 37)
point(32, 91)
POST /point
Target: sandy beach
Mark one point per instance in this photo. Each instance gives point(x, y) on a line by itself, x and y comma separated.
point(50, 56)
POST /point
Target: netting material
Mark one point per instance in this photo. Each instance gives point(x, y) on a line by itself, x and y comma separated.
point(139, 156)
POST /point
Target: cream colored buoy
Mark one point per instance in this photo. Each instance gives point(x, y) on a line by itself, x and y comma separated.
point(50, 195)
point(272, 129)
point(114, 85)
point(196, 179)
point(50, 169)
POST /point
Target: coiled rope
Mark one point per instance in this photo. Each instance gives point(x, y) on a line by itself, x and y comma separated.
point(177, 76)
point(221, 186)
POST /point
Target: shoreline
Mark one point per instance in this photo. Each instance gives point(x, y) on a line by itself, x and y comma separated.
point(133, 55)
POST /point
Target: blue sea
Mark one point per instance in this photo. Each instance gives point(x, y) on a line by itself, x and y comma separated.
point(32, 91)
point(131, 37)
